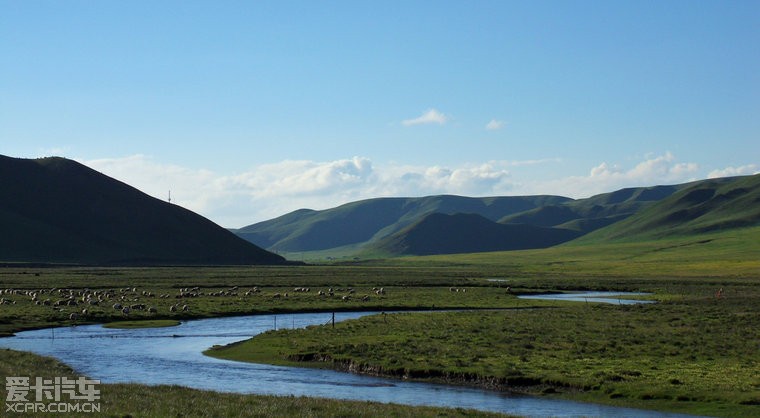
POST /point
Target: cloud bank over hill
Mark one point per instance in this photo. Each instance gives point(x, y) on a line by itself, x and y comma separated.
point(270, 190)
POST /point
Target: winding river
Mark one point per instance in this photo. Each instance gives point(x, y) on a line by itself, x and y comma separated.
point(173, 355)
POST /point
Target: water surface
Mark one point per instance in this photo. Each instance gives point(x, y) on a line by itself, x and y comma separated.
point(597, 296)
point(173, 355)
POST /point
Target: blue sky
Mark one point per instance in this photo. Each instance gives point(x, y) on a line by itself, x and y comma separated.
point(247, 110)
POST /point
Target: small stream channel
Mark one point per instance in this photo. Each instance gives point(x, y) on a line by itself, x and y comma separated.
point(173, 355)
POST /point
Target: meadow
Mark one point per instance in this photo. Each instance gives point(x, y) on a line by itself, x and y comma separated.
point(695, 351)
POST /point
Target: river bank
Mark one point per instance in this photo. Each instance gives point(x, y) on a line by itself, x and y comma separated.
point(642, 356)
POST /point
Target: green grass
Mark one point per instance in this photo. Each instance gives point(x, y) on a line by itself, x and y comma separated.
point(690, 354)
point(132, 400)
point(147, 323)
point(724, 255)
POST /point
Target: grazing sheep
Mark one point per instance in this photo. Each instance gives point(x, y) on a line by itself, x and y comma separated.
point(152, 309)
point(345, 298)
point(85, 312)
point(173, 308)
point(125, 310)
point(184, 308)
point(117, 306)
point(73, 316)
point(365, 298)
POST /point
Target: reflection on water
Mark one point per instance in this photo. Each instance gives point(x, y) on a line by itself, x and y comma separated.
point(173, 355)
point(600, 297)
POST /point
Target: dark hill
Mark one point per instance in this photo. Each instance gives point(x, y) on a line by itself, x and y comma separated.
point(468, 233)
point(54, 210)
point(363, 222)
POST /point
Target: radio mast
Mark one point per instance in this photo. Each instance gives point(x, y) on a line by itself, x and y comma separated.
point(170, 196)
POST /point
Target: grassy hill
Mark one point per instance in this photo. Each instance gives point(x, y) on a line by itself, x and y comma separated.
point(440, 233)
point(362, 222)
point(54, 210)
point(586, 215)
point(403, 226)
point(702, 207)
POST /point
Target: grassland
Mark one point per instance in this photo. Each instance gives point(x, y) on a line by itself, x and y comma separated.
point(651, 356)
point(691, 352)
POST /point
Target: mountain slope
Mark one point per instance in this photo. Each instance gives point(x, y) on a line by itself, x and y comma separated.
point(439, 233)
point(586, 215)
point(54, 210)
point(704, 206)
point(362, 222)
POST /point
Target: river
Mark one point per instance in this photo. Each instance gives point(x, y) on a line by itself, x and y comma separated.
point(173, 355)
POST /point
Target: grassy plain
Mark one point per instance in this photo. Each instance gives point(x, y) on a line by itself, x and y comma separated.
point(691, 352)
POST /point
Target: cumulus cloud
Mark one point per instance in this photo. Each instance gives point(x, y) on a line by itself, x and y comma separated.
point(607, 177)
point(743, 170)
point(430, 116)
point(270, 190)
point(494, 125)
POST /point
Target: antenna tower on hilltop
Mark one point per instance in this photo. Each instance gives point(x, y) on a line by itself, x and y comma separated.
point(170, 196)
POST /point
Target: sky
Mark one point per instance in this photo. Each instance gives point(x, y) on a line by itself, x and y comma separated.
point(247, 110)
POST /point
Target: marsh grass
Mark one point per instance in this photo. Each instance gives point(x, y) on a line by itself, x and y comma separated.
point(691, 352)
point(697, 354)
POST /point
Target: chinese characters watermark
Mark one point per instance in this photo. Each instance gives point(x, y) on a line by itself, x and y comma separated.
point(47, 395)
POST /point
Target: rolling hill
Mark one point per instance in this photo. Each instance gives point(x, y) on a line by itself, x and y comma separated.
point(366, 221)
point(54, 210)
point(454, 224)
point(701, 207)
point(586, 215)
point(440, 233)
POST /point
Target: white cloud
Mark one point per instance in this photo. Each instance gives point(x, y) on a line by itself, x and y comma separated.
point(735, 171)
point(494, 125)
point(607, 177)
point(270, 190)
point(430, 116)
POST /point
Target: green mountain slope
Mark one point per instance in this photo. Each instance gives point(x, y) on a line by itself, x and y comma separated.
point(586, 215)
point(366, 221)
point(54, 210)
point(440, 233)
point(701, 207)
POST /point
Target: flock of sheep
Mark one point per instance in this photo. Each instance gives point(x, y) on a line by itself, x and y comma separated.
point(128, 299)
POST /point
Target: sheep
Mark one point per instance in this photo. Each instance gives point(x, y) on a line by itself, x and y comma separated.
point(125, 310)
point(184, 308)
point(365, 298)
point(173, 308)
point(73, 316)
point(152, 309)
